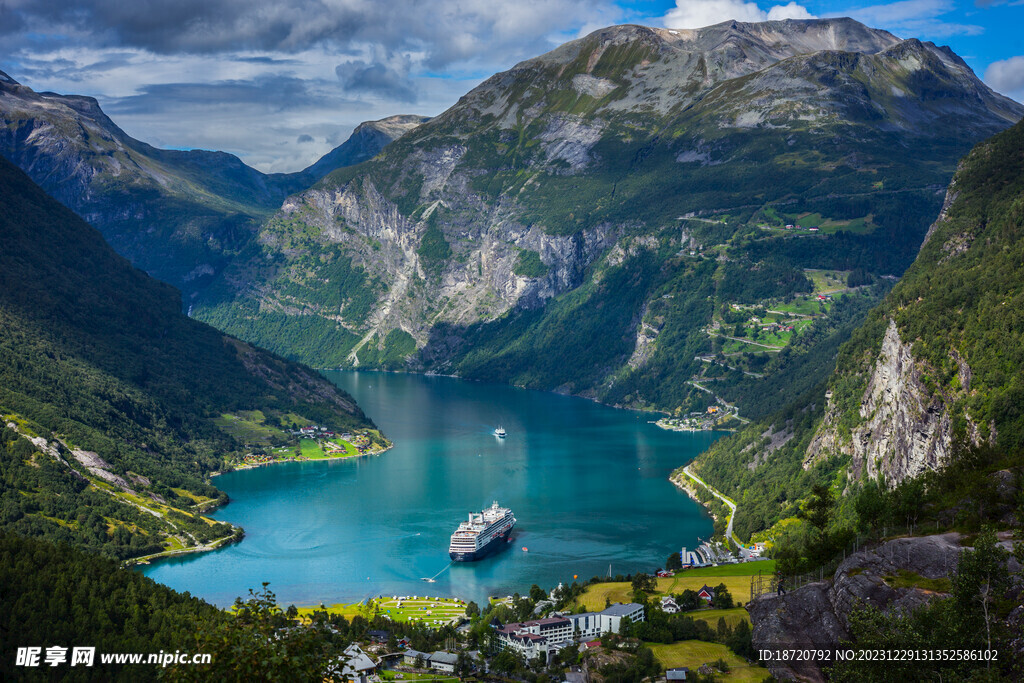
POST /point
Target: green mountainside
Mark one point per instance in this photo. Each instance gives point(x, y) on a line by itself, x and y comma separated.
point(60, 595)
point(931, 380)
point(108, 392)
point(610, 219)
point(179, 215)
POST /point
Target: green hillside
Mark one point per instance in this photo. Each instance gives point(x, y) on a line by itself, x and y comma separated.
point(957, 308)
point(108, 393)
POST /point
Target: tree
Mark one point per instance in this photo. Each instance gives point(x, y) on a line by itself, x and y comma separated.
point(473, 609)
point(687, 600)
point(463, 665)
point(673, 562)
point(645, 583)
point(506, 662)
point(537, 593)
point(981, 578)
point(722, 599)
point(271, 651)
point(740, 641)
point(870, 504)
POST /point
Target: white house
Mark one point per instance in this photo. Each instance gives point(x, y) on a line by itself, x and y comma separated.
point(544, 637)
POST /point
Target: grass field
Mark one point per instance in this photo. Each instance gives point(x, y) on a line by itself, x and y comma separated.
point(745, 569)
point(594, 599)
point(312, 450)
point(711, 616)
point(801, 305)
point(694, 653)
point(425, 610)
point(827, 281)
point(736, 578)
point(421, 609)
point(248, 427)
point(347, 610)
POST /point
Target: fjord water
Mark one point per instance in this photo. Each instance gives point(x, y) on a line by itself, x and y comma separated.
point(588, 484)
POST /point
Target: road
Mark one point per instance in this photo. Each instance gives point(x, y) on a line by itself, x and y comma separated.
point(732, 506)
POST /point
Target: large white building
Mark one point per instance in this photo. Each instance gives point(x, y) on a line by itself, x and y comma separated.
point(543, 637)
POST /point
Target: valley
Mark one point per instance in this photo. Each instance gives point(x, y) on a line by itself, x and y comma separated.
point(780, 260)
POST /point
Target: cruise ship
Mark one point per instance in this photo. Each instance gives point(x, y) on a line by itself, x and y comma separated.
point(485, 532)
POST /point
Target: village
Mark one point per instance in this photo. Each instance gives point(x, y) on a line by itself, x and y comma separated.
point(268, 443)
point(721, 417)
point(577, 633)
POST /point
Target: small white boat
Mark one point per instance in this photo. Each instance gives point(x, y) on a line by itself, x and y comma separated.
point(500, 432)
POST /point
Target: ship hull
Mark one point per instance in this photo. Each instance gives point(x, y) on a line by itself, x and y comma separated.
point(497, 543)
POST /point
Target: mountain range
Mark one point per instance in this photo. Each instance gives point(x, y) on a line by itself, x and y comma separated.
point(179, 215)
point(624, 187)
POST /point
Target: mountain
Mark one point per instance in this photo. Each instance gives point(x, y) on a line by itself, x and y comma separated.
point(609, 219)
point(930, 381)
point(178, 215)
point(366, 142)
point(110, 397)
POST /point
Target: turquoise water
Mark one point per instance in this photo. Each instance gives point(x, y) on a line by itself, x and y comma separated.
point(588, 484)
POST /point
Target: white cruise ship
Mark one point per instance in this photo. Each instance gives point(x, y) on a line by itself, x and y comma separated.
point(484, 533)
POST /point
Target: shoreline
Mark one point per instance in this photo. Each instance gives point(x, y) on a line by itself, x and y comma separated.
point(216, 544)
point(686, 481)
point(242, 468)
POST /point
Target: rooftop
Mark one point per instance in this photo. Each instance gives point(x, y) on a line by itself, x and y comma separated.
point(620, 610)
point(443, 658)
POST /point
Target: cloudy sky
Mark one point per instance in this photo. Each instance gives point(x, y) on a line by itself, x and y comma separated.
point(281, 82)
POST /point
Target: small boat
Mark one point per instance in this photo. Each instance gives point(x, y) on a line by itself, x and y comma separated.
point(525, 549)
point(500, 432)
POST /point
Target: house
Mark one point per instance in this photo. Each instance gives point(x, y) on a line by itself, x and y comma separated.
point(668, 605)
point(379, 636)
point(543, 637)
point(677, 674)
point(443, 661)
point(813, 229)
point(712, 410)
point(664, 574)
point(789, 226)
point(706, 593)
point(575, 677)
point(356, 663)
point(409, 657)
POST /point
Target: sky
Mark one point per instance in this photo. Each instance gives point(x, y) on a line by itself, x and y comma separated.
point(281, 82)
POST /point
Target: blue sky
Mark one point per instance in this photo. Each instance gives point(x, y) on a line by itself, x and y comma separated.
point(281, 82)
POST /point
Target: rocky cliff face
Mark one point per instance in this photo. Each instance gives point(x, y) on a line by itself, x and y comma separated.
point(816, 615)
point(905, 426)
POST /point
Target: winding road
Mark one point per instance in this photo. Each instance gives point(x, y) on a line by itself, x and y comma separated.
point(732, 506)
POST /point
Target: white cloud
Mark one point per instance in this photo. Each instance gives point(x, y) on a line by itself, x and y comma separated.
point(1007, 76)
point(253, 76)
point(913, 18)
point(701, 13)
